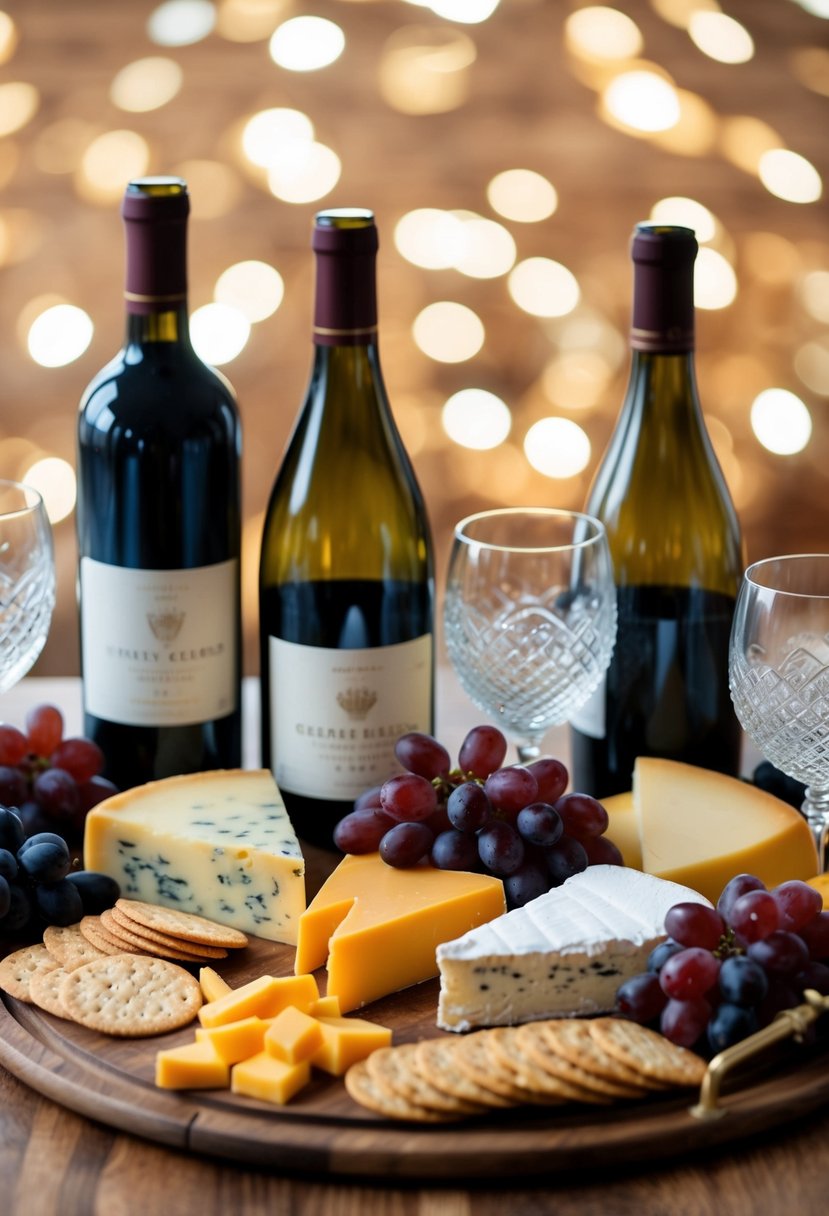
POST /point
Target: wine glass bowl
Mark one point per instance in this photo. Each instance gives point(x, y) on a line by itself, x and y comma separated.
point(530, 616)
point(779, 673)
point(27, 580)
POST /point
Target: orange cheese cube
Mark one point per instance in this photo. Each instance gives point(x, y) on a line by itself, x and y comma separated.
point(379, 927)
point(347, 1040)
point(263, 998)
point(194, 1066)
point(212, 985)
point(326, 1007)
point(271, 1080)
point(235, 1041)
point(292, 1036)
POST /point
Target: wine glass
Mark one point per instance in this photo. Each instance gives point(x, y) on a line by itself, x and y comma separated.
point(530, 616)
point(779, 673)
point(27, 580)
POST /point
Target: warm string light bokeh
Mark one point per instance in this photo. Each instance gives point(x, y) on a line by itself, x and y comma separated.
point(507, 148)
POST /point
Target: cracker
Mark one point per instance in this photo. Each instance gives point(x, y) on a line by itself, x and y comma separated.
point(94, 932)
point(435, 1060)
point(543, 1051)
point(44, 991)
point(396, 1068)
point(649, 1053)
point(117, 923)
point(504, 1047)
point(17, 969)
point(181, 924)
point(363, 1088)
point(571, 1039)
point(130, 996)
point(134, 941)
point(473, 1059)
point(69, 946)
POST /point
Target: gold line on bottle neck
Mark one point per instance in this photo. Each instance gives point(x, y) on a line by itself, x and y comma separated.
point(135, 298)
point(344, 333)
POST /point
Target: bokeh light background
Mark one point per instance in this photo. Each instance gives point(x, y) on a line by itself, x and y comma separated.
point(507, 149)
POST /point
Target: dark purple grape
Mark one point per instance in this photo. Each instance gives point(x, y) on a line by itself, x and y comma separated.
point(57, 792)
point(408, 798)
point(5, 896)
point(405, 844)
point(730, 1024)
point(454, 850)
point(45, 862)
point(780, 952)
point(602, 852)
point(423, 755)
point(59, 903)
point(8, 864)
point(500, 848)
point(641, 998)
point(482, 751)
point(41, 838)
point(693, 924)
point(438, 821)
point(782, 994)
point(14, 788)
point(539, 823)
point(741, 884)
point(552, 778)
point(814, 975)
point(798, 904)
point(468, 807)
point(20, 912)
point(684, 1021)
point(510, 789)
point(660, 954)
point(816, 936)
point(12, 832)
point(93, 791)
point(565, 859)
point(35, 820)
point(582, 815)
point(526, 883)
point(362, 831)
point(743, 981)
point(97, 891)
point(369, 798)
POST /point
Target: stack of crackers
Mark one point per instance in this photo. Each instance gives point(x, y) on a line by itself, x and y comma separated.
point(542, 1063)
point(117, 980)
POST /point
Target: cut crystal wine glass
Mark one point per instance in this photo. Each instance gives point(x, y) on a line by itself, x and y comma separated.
point(530, 616)
point(27, 580)
point(779, 673)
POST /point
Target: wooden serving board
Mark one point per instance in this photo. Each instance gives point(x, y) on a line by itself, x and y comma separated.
point(323, 1132)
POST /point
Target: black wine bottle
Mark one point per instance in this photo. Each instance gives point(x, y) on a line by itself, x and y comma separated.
point(158, 522)
point(675, 543)
point(346, 579)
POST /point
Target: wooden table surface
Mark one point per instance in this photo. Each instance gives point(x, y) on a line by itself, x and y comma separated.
point(54, 1163)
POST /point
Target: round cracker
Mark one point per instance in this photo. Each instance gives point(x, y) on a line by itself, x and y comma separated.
point(505, 1047)
point(17, 969)
point(571, 1039)
point(44, 991)
point(181, 924)
point(94, 932)
point(68, 945)
point(436, 1062)
point(116, 922)
point(363, 1088)
point(184, 952)
point(396, 1067)
point(131, 996)
point(473, 1059)
point(647, 1052)
point(542, 1050)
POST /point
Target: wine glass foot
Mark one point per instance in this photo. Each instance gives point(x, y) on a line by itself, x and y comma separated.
point(816, 809)
point(527, 752)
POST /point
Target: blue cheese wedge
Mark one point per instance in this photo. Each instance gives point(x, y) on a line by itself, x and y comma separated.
point(562, 954)
point(219, 844)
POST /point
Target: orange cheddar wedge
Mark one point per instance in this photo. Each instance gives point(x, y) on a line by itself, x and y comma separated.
point(623, 828)
point(263, 998)
point(269, 1079)
point(194, 1066)
point(235, 1041)
point(345, 1041)
point(292, 1036)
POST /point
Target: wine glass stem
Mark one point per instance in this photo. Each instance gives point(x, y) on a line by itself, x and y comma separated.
point(816, 809)
point(527, 752)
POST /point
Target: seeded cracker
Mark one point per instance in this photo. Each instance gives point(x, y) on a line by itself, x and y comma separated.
point(17, 969)
point(44, 991)
point(364, 1089)
point(396, 1068)
point(181, 924)
point(131, 996)
point(69, 946)
point(116, 922)
point(648, 1052)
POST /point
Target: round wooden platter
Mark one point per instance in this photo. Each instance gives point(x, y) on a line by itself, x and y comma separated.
point(323, 1132)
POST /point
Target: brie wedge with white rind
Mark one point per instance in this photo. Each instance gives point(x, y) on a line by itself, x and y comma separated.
point(564, 953)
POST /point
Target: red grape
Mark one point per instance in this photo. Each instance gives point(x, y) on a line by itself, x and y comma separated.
point(93, 791)
point(693, 924)
point(780, 952)
point(423, 755)
point(439, 821)
point(754, 916)
point(539, 823)
point(641, 998)
point(13, 787)
point(689, 974)
point(684, 1021)
point(500, 848)
point(408, 798)
point(565, 859)
point(13, 744)
point(81, 758)
point(468, 807)
point(368, 798)
point(362, 831)
point(455, 851)
point(602, 852)
point(57, 793)
point(552, 778)
point(816, 936)
point(405, 844)
point(482, 751)
point(510, 789)
point(44, 727)
point(582, 815)
point(798, 904)
point(741, 884)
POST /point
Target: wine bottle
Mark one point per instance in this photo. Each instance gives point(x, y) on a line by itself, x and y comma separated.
point(346, 578)
point(675, 543)
point(158, 522)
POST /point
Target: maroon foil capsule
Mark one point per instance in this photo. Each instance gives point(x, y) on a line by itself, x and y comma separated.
point(345, 310)
point(663, 288)
point(155, 211)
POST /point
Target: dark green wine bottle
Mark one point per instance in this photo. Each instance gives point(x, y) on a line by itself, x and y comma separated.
point(675, 543)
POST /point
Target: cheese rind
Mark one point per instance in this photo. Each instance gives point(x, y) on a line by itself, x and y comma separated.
point(218, 844)
point(564, 953)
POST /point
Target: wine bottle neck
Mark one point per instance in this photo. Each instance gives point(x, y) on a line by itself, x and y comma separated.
point(155, 219)
point(664, 383)
point(345, 301)
point(663, 289)
point(169, 325)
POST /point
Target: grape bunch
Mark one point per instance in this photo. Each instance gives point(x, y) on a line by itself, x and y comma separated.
point(515, 823)
point(50, 781)
point(724, 973)
point(38, 886)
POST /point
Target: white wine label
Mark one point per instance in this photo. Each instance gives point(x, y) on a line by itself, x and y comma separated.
point(336, 714)
point(159, 647)
point(590, 719)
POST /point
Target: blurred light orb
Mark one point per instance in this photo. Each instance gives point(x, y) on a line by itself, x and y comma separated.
point(448, 332)
point(59, 335)
point(642, 100)
point(470, 12)
point(679, 12)
point(715, 283)
point(810, 65)
point(814, 294)
point(111, 160)
point(522, 195)
point(599, 32)
point(254, 288)
point(686, 212)
point(219, 333)
point(576, 379)
point(266, 134)
point(488, 249)
point(425, 69)
point(812, 366)
point(146, 84)
point(557, 447)
point(59, 147)
point(19, 102)
point(744, 140)
point(695, 131)
point(789, 176)
point(430, 238)
point(306, 44)
point(214, 187)
point(181, 22)
point(720, 37)
point(8, 37)
point(304, 171)
point(781, 421)
point(54, 479)
point(818, 8)
point(476, 419)
point(248, 20)
point(544, 288)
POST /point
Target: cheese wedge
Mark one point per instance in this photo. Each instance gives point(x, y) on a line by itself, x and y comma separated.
point(564, 953)
point(379, 927)
point(218, 844)
point(264, 997)
point(821, 883)
point(623, 828)
point(701, 828)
